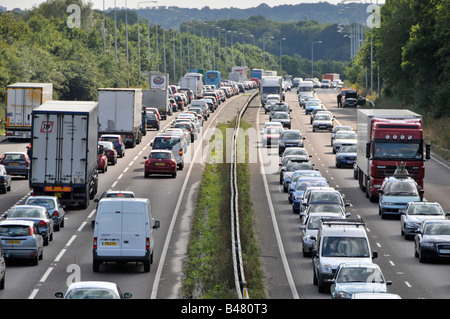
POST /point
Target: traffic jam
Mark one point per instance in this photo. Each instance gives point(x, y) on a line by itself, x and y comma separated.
point(64, 174)
point(385, 153)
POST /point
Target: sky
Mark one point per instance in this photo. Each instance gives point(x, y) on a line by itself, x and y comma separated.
point(216, 4)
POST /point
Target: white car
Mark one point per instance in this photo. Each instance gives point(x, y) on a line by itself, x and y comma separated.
point(343, 138)
point(311, 226)
point(93, 290)
point(322, 121)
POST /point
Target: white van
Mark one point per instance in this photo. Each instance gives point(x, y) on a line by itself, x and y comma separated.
point(203, 105)
point(123, 232)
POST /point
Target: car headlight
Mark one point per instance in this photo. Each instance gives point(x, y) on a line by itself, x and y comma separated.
point(281, 143)
point(298, 197)
point(344, 295)
point(327, 269)
point(387, 204)
point(427, 244)
point(412, 224)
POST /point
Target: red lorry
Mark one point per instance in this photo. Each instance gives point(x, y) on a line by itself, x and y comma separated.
point(387, 137)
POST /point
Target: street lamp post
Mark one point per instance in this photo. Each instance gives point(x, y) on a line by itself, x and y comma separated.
point(312, 57)
point(139, 37)
point(281, 63)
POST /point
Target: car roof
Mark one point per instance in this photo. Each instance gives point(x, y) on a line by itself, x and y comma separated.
point(43, 197)
point(92, 284)
point(28, 206)
point(161, 151)
point(15, 153)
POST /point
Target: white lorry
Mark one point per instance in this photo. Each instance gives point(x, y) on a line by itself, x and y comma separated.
point(64, 151)
point(21, 100)
point(198, 92)
point(270, 85)
point(158, 94)
point(120, 112)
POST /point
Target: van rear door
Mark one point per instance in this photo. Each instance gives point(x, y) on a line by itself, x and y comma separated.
point(134, 225)
point(109, 241)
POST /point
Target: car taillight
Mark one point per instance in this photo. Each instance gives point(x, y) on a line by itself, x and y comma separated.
point(94, 244)
point(56, 213)
point(31, 230)
point(147, 243)
point(180, 152)
point(42, 223)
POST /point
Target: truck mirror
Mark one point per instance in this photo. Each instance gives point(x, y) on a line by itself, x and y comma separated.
point(427, 151)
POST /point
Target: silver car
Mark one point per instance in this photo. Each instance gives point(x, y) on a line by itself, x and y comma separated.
point(415, 213)
point(54, 208)
point(93, 290)
point(343, 138)
point(37, 214)
point(21, 239)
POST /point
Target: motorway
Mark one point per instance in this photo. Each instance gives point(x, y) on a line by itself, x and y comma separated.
point(287, 274)
point(68, 257)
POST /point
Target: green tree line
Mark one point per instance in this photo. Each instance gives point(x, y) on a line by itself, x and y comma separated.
point(412, 51)
point(39, 45)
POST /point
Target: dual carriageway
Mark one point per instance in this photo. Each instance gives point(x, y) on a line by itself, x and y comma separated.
point(287, 274)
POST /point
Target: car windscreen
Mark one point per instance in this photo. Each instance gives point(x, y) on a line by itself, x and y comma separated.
point(280, 115)
point(343, 135)
point(291, 135)
point(160, 155)
point(437, 229)
point(165, 142)
point(47, 203)
point(325, 197)
point(341, 246)
point(360, 274)
point(400, 189)
point(25, 212)
point(425, 210)
point(14, 230)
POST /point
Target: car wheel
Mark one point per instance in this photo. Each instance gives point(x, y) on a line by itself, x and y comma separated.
point(174, 175)
point(96, 266)
point(57, 227)
point(147, 266)
point(35, 261)
point(2, 283)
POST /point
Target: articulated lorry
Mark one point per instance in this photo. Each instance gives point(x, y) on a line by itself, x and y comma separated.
point(21, 100)
point(120, 112)
point(387, 138)
point(64, 146)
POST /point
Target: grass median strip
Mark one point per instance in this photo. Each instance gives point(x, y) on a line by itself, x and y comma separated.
point(208, 270)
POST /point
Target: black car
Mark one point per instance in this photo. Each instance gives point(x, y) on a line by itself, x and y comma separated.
point(289, 138)
point(278, 107)
point(432, 240)
point(152, 121)
point(5, 180)
point(282, 117)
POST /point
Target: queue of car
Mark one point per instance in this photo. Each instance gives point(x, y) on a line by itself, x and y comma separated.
point(340, 251)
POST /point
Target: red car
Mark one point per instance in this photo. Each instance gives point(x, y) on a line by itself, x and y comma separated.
point(110, 151)
point(102, 160)
point(160, 162)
